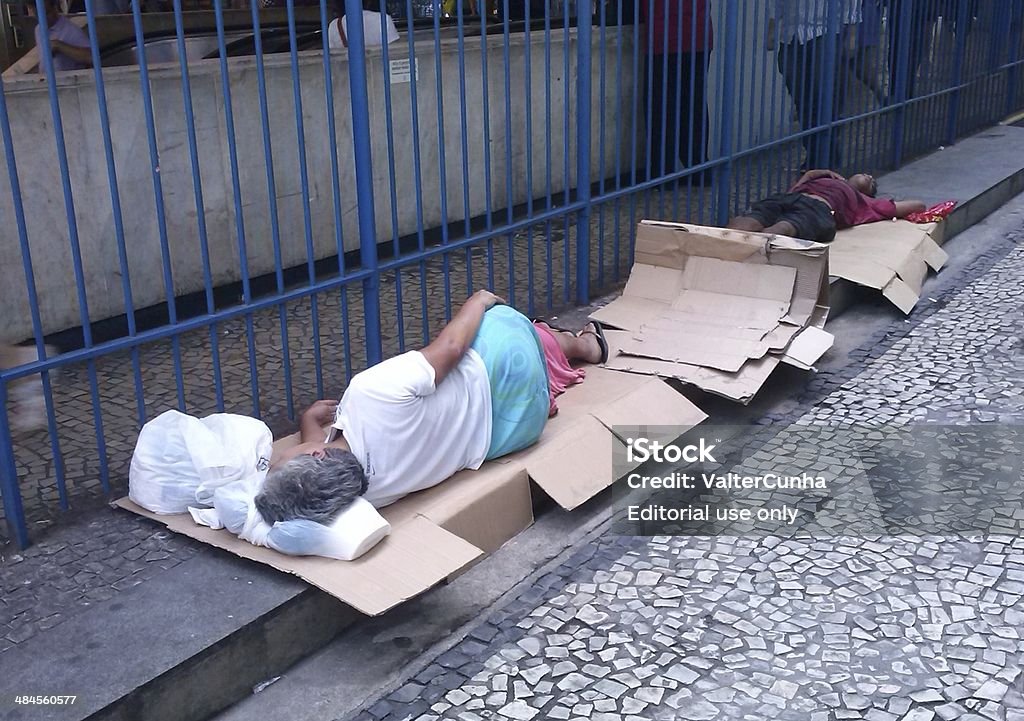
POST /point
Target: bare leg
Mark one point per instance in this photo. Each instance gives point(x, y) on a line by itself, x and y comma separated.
point(582, 347)
point(784, 227)
point(747, 223)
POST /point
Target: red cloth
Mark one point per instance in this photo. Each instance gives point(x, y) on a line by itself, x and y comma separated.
point(561, 375)
point(697, 34)
point(851, 207)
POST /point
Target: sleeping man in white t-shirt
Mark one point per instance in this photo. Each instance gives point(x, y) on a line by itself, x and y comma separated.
point(482, 389)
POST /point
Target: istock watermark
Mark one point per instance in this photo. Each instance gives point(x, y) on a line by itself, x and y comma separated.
point(817, 480)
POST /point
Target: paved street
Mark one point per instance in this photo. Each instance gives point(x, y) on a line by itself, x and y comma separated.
point(924, 625)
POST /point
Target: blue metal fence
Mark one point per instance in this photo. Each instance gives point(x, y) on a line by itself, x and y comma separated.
point(244, 229)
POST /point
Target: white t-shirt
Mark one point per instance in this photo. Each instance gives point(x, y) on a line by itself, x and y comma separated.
point(408, 434)
point(371, 30)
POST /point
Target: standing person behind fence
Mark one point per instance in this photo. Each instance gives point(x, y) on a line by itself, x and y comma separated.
point(866, 62)
point(802, 31)
point(69, 44)
point(922, 17)
point(675, 81)
point(337, 31)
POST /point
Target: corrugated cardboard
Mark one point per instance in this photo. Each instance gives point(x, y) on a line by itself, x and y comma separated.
point(717, 308)
point(417, 555)
point(740, 386)
point(572, 460)
point(808, 347)
point(438, 533)
point(890, 256)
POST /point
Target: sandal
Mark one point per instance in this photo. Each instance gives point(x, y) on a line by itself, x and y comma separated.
point(602, 342)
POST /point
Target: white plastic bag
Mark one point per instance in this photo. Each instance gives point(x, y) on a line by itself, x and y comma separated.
point(179, 461)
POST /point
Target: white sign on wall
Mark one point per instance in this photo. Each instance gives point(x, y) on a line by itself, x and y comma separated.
point(401, 71)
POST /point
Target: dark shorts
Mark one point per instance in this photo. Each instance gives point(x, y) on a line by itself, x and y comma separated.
point(812, 218)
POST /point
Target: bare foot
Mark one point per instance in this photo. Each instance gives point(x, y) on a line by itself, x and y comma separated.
point(590, 348)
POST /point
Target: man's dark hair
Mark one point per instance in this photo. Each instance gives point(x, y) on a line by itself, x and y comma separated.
point(315, 489)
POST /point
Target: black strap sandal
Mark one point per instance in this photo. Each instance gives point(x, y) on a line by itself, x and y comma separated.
point(602, 342)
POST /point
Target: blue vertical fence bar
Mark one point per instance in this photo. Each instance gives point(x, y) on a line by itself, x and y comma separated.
point(307, 218)
point(332, 144)
point(118, 216)
point(275, 224)
point(76, 252)
point(826, 120)
point(723, 183)
point(953, 119)
point(236, 196)
point(417, 172)
point(584, 25)
point(1014, 55)
point(901, 56)
point(14, 511)
point(509, 181)
point(385, 60)
point(158, 199)
point(361, 139)
point(442, 169)
point(37, 324)
point(197, 190)
point(464, 127)
point(548, 192)
point(486, 133)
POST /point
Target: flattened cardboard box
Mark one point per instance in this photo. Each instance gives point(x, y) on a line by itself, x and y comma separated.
point(438, 533)
point(890, 256)
point(719, 308)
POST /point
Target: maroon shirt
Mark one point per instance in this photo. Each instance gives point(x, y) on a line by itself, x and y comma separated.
point(697, 34)
point(851, 206)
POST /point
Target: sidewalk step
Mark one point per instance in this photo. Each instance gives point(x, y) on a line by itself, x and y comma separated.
point(181, 646)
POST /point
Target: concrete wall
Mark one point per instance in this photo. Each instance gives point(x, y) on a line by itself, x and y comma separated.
point(41, 179)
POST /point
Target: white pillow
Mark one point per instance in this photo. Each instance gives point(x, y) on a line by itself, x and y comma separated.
point(357, 529)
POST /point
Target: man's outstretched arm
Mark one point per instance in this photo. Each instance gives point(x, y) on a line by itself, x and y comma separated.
point(906, 207)
point(452, 343)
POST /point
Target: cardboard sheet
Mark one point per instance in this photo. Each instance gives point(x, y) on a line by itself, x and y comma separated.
point(438, 533)
point(808, 347)
point(417, 555)
point(572, 462)
point(890, 256)
point(717, 308)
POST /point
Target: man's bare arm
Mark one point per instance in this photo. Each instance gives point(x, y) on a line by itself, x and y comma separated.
point(315, 419)
point(76, 53)
point(906, 207)
point(452, 343)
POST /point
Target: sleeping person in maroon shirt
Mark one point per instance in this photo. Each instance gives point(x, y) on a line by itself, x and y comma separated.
point(820, 203)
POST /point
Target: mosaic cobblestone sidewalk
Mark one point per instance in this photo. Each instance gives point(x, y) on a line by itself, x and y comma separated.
point(872, 627)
